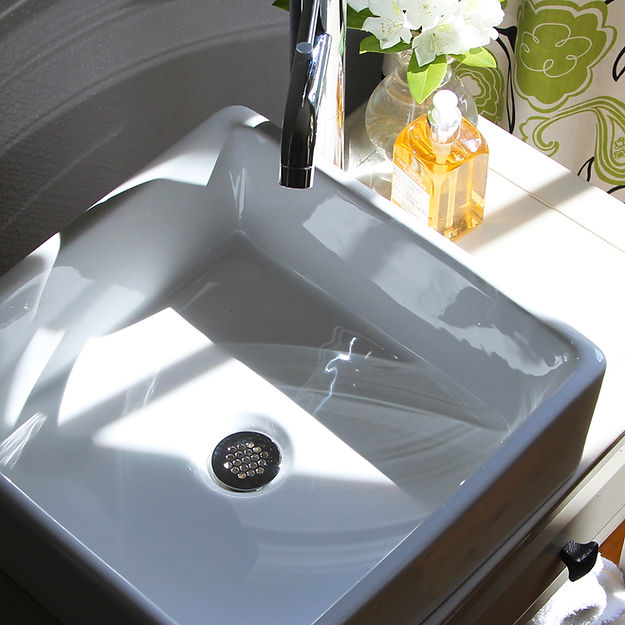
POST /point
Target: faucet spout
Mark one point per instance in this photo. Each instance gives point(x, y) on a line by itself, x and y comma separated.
point(299, 128)
point(313, 118)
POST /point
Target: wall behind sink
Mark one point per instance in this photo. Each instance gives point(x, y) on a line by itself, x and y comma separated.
point(91, 90)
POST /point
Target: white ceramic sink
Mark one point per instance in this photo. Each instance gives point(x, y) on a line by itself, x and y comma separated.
point(420, 416)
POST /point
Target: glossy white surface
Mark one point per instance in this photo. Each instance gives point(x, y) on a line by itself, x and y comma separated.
point(576, 235)
point(405, 392)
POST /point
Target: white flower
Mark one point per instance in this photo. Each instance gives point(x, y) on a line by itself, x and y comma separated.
point(450, 36)
point(427, 13)
point(446, 26)
point(390, 26)
point(483, 15)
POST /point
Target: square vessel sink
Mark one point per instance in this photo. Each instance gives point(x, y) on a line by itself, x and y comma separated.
point(222, 399)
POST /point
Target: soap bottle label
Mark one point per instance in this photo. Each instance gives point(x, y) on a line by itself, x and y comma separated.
point(409, 194)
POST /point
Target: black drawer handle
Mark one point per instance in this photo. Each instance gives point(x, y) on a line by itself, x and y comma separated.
point(579, 558)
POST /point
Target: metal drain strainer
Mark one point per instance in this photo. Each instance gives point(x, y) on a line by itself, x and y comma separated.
point(245, 461)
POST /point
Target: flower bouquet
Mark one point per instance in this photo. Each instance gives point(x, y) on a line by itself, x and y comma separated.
point(433, 29)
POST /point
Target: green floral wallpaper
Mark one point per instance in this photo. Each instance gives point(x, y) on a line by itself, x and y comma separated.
point(560, 84)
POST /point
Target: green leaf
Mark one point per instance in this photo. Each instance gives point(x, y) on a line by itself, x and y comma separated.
point(371, 44)
point(282, 4)
point(422, 81)
point(477, 57)
point(355, 19)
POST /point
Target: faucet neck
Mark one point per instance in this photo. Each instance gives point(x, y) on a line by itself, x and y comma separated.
point(313, 118)
point(330, 118)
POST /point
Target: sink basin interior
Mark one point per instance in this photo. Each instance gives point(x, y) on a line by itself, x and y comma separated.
point(174, 314)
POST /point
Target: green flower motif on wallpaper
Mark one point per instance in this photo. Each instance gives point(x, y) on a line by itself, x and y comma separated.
point(487, 86)
point(609, 150)
point(558, 44)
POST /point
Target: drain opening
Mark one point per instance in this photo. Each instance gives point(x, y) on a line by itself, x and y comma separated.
point(246, 461)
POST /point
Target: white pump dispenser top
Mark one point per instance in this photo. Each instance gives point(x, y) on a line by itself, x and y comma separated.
point(445, 116)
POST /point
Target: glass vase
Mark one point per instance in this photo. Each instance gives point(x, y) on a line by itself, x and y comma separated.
point(391, 107)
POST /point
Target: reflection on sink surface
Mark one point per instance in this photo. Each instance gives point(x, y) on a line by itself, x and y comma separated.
point(414, 406)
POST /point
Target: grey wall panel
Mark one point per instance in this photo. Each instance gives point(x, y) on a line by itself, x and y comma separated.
point(91, 90)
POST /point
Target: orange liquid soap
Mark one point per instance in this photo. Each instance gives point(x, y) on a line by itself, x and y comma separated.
point(440, 164)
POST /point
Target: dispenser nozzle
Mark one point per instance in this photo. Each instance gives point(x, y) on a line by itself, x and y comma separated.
point(445, 116)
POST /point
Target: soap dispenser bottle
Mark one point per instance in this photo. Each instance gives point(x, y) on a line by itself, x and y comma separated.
point(440, 163)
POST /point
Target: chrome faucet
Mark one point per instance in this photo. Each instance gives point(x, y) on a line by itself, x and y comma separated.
point(313, 116)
